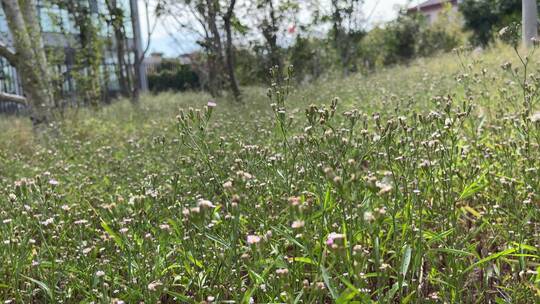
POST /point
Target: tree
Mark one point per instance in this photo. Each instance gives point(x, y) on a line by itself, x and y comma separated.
point(210, 20)
point(484, 17)
point(116, 19)
point(89, 53)
point(229, 49)
point(346, 31)
point(28, 56)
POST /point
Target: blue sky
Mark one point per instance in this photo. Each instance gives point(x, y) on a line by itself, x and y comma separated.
point(383, 10)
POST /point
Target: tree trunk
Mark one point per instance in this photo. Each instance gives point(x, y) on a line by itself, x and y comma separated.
point(117, 22)
point(216, 49)
point(530, 21)
point(140, 83)
point(230, 52)
point(30, 59)
point(269, 31)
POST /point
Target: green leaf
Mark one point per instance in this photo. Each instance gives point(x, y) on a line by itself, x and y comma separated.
point(179, 296)
point(41, 285)
point(326, 279)
point(304, 260)
point(475, 187)
point(491, 257)
point(117, 239)
point(453, 251)
point(406, 261)
point(346, 296)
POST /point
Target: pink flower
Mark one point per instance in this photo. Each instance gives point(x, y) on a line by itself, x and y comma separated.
point(211, 104)
point(253, 239)
point(332, 237)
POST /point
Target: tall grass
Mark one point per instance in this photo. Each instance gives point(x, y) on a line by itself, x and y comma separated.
point(418, 184)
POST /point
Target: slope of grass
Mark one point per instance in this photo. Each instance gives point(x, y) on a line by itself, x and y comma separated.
point(418, 184)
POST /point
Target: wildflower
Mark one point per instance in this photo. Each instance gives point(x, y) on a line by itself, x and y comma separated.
point(12, 197)
point(100, 273)
point(211, 104)
point(282, 272)
point(210, 299)
point(205, 204)
point(320, 286)
point(53, 182)
point(535, 117)
point(123, 230)
point(297, 224)
point(227, 185)
point(253, 239)
point(165, 227)
point(154, 285)
point(384, 187)
point(294, 200)
point(47, 222)
point(333, 237)
point(368, 216)
point(80, 222)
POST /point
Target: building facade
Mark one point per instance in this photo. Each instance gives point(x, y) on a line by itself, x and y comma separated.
point(432, 8)
point(60, 33)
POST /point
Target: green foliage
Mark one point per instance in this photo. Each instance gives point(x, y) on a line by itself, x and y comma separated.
point(171, 75)
point(410, 36)
point(310, 57)
point(485, 17)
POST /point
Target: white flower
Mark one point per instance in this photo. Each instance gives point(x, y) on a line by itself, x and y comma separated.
point(298, 224)
point(154, 285)
point(535, 117)
point(205, 204)
point(47, 222)
point(368, 216)
point(282, 272)
point(100, 273)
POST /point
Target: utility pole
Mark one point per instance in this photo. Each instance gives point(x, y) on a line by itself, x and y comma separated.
point(142, 83)
point(530, 21)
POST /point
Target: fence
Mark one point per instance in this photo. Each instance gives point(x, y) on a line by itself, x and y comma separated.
point(12, 104)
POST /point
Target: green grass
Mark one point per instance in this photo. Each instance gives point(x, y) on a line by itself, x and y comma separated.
point(419, 184)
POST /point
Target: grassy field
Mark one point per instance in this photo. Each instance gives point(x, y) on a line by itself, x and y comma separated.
point(418, 184)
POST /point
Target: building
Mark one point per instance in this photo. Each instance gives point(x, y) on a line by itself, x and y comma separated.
point(152, 62)
point(431, 8)
point(60, 33)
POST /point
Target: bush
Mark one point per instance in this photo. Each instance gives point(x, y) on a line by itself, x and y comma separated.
point(310, 58)
point(410, 36)
point(173, 76)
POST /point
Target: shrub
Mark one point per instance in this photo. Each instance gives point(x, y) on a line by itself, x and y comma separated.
point(173, 76)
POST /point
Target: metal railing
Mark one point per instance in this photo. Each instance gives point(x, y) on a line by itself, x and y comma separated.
point(12, 104)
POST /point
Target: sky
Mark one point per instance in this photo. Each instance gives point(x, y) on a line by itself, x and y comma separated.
point(161, 40)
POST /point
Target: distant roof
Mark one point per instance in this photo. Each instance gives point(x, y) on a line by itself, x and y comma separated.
point(431, 4)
